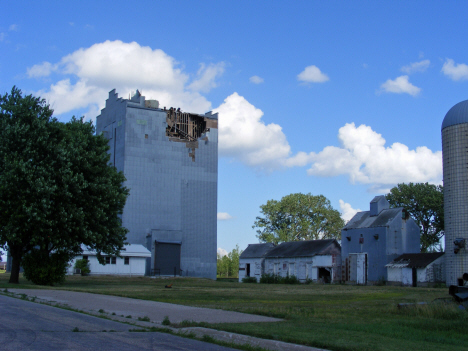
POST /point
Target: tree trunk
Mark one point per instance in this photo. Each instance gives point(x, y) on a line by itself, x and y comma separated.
point(16, 254)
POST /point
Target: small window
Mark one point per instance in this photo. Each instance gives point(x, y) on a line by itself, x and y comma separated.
point(126, 260)
point(113, 260)
point(146, 136)
point(108, 260)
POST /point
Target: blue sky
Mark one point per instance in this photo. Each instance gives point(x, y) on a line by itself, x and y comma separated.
point(344, 99)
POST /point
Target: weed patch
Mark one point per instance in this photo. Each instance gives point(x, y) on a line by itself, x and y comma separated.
point(166, 321)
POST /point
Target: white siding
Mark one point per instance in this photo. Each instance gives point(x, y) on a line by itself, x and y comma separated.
point(136, 266)
point(302, 267)
point(255, 267)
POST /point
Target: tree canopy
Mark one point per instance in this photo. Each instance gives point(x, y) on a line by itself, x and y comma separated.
point(57, 189)
point(425, 203)
point(298, 217)
point(228, 265)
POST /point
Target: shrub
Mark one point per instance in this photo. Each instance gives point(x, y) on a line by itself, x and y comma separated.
point(83, 266)
point(43, 268)
point(166, 321)
point(249, 280)
point(271, 278)
point(291, 280)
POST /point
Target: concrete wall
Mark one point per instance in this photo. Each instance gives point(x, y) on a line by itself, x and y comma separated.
point(455, 159)
point(173, 196)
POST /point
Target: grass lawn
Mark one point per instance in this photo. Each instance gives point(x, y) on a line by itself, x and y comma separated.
point(335, 317)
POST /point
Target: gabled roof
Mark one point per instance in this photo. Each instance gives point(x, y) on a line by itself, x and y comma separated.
point(365, 220)
point(414, 260)
point(301, 248)
point(256, 250)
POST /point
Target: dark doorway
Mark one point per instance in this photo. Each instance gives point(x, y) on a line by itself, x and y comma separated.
point(167, 258)
point(324, 275)
point(415, 277)
point(247, 269)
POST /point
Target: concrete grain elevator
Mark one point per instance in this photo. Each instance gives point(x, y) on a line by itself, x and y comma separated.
point(455, 177)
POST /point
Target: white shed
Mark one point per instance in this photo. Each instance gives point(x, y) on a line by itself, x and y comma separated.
point(316, 260)
point(251, 261)
point(420, 269)
point(132, 261)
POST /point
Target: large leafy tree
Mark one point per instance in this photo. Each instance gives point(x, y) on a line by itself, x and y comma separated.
point(57, 189)
point(298, 217)
point(425, 204)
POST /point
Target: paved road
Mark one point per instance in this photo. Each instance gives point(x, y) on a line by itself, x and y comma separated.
point(155, 311)
point(26, 325)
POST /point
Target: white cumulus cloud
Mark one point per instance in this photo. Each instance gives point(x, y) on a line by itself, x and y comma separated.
point(224, 216)
point(41, 70)
point(206, 77)
point(244, 136)
point(420, 66)
point(88, 74)
point(400, 85)
point(312, 74)
point(455, 71)
point(364, 157)
point(347, 211)
point(256, 80)
point(221, 252)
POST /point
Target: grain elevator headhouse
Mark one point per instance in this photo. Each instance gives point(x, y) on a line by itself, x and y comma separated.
point(170, 160)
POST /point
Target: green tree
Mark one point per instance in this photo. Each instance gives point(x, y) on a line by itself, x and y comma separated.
point(83, 266)
point(298, 217)
point(425, 203)
point(228, 265)
point(234, 262)
point(57, 189)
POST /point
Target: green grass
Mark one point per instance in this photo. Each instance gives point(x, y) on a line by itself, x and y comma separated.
point(335, 317)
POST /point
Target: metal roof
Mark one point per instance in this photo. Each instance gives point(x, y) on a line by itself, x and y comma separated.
point(414, 260)
point(377, 198)
point(256, 250)
point(458, 114)
point(301, 248)
point(365, 220)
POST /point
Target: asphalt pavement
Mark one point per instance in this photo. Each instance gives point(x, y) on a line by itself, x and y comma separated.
point(119, 309)
point(25, 325)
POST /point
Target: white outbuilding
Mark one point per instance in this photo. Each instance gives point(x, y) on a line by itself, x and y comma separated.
point(315, 260)
point(252, 260)
point(132, 261)
point(419, 269)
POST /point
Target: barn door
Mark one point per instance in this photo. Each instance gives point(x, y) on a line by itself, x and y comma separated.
point(361, 276)
point(415, 277)
point(167, 258)
point(358, 268)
